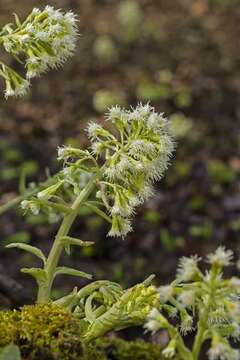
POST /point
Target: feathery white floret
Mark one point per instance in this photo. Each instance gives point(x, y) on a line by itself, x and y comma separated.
point(188, 268)
point(221, 257)
point(223, 351)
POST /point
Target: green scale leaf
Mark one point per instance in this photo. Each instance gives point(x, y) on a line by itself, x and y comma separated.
point(63, 270)
point(32, 249)
point(39, 274)
point(69, 241)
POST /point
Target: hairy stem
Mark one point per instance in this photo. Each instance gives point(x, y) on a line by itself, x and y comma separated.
point(202, 324)
point(55, 253)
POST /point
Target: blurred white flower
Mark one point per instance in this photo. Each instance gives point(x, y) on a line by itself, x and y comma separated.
point(188, 268)
point(221, 257)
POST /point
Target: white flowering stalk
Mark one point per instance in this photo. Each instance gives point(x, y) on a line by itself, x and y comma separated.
point(43, 41)
point(111, 178)
point(203, 303)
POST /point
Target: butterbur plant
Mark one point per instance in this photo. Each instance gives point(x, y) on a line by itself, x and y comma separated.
point(203, 303)
point(43, 41)
point(112, 178)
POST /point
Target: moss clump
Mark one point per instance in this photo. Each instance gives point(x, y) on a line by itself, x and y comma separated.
point(49, 332)
point(119, 349)
point(42, 332)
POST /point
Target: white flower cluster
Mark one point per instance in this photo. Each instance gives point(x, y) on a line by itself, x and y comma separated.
point(43, 202)
point(205, 302)
point(221, 257)
point(16, 85)
point(170, 350)
point(188, 268)
point(124, 162)
point(30, 205)
point(155, 321)
point(135, 158)
point(46, 39)
point(222, 350)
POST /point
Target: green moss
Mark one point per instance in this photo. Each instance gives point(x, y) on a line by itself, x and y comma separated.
point(42, 331)
point(48, 332)
point(118, 349)
point(8, 329)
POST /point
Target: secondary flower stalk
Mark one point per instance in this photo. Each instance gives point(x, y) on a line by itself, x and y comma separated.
point(43, 41)
point(204, 303)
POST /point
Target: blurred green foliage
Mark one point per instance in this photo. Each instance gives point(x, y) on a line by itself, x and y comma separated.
point(104, 99)
point(105, 49)
point(221, 172)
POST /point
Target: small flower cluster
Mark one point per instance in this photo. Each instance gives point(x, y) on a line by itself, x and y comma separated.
point(136, 157)
point(43, 202)
point(15, 84)
point(205, 303)
point(125, 163)
point(46, 39)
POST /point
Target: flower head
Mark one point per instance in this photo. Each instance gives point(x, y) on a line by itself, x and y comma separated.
point(187, 298)
point(155, 321)
point(137, 157)
point(165, 292)
point(170, 350)
point(125, 163)
point(16, 85)
point(222, 350)
point(30, 205)
point(188, 268)
point(221, 257)
point(120, 226)
point(186, 323)
point(49, 191)
point(46, 39)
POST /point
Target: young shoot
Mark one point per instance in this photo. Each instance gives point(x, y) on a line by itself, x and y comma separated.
point(205, 304)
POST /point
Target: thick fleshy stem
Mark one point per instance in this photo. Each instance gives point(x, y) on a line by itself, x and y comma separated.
point(183, 351)
point(57, 248)
point(202, 324)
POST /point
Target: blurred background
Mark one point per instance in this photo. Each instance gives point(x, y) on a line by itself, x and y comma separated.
point(182, 56)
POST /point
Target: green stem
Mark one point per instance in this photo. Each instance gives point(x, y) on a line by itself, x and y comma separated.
point(200, 336)
point(183, 351)
point(98, 212)
point(55, 253)
point(202, 324)
point(88, 289)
